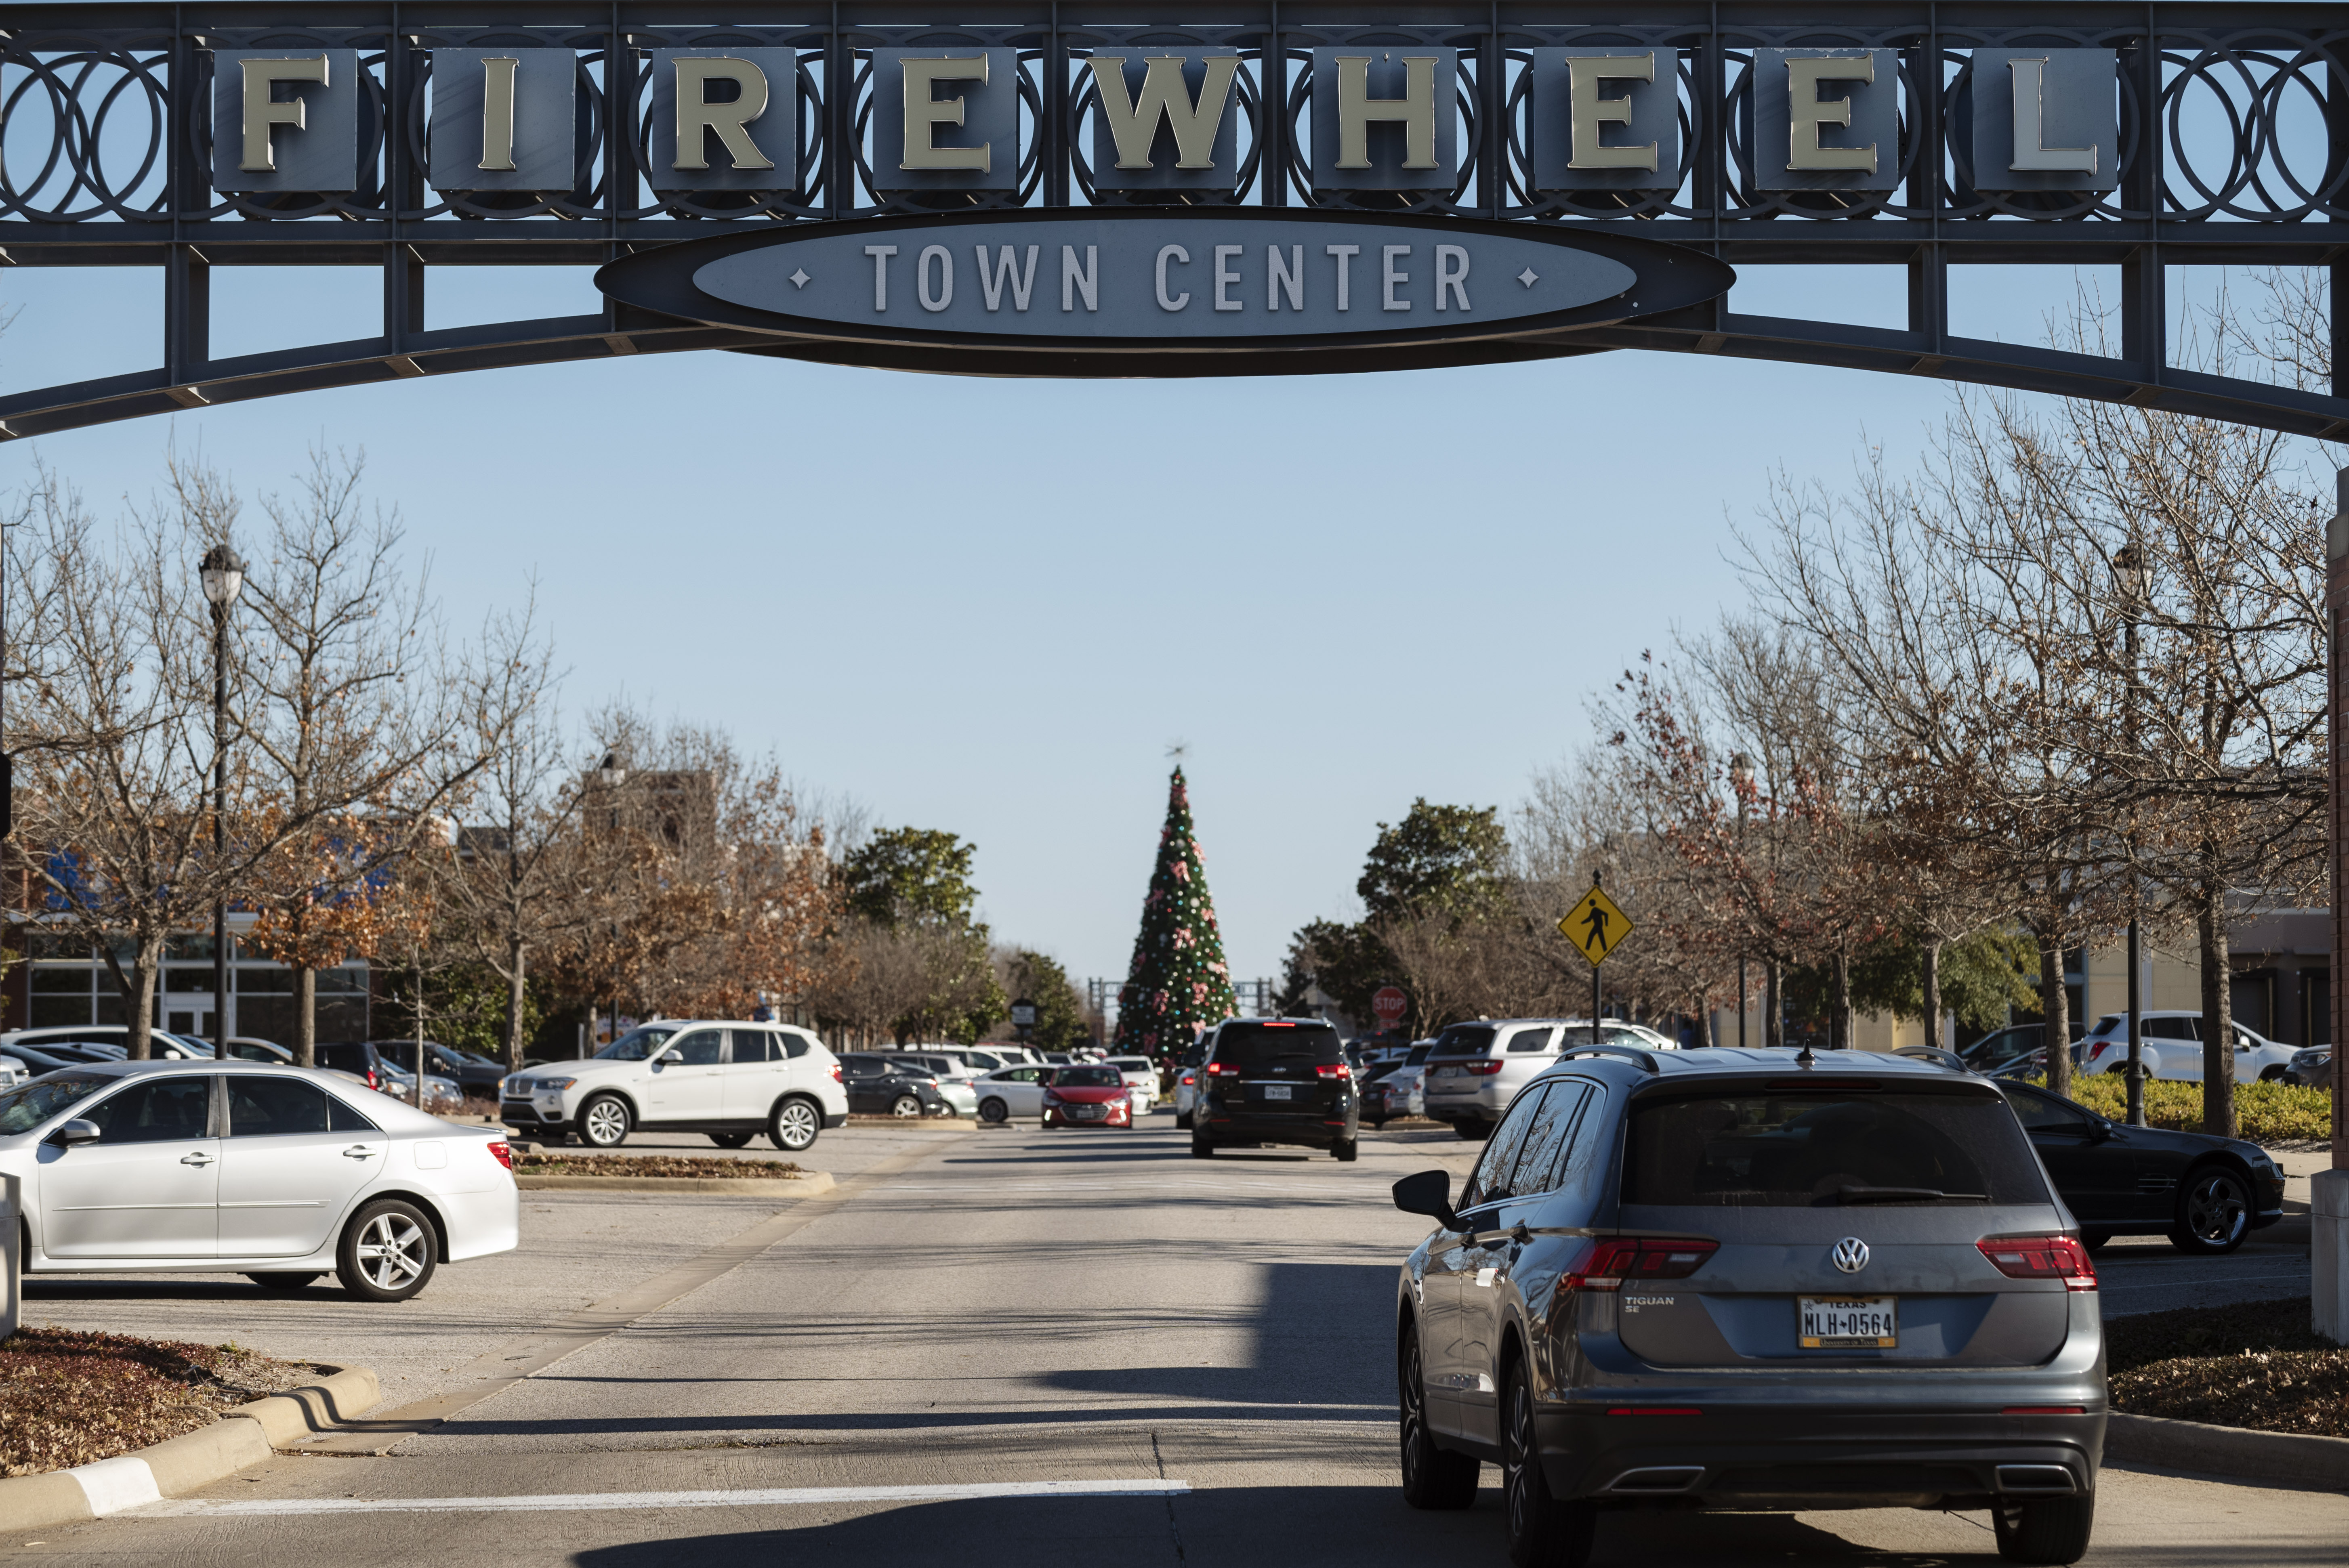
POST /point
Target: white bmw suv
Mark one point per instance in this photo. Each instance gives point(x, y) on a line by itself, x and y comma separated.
point(729, 1080)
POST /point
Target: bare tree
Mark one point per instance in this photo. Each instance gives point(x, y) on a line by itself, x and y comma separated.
point(113, 734)
point(351, 712)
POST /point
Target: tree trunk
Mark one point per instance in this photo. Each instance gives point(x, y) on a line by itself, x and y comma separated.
point(138, 999)
point(1773, 1024)
point(2217, 1015)
point(2055, 1010)
point(515, 954)
point(306, 1017)
point(1839, 1024)
point(1932, 946)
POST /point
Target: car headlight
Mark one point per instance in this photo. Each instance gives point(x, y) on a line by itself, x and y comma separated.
point(554, 1086)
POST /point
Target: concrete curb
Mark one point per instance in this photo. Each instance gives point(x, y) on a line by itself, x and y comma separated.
point(806, 1186)
point(243, 1436)
point(2227, 1450)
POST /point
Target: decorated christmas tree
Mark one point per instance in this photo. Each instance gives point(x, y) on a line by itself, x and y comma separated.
point(1178, 982)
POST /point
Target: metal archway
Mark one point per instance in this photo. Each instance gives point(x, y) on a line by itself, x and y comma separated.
point(2233, 149)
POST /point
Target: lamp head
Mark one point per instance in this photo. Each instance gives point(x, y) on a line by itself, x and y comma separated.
point(610, 772)
point(224, 573)
point(2130, 572)
point(1740, 769)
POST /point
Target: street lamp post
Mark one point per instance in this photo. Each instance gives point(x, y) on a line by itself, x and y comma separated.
point(1740, 780)
point(2129, 571)
point(222, 571)
point(612, 775)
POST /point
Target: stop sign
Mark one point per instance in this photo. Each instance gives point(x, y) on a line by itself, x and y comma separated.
point(1388, 1004)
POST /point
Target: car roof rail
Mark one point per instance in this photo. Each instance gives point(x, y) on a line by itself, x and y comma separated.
point(1639, 1054)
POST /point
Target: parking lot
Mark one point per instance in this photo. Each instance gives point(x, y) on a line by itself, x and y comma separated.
point(954, 1356)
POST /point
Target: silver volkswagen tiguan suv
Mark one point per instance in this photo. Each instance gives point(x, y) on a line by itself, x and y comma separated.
point(1752, 1279)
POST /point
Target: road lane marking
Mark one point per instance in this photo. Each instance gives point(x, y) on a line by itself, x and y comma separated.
point(566, 1503)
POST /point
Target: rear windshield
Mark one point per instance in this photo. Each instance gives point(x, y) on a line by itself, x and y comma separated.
point(1824, 1147)
point(1465, 1040)
point(1249, 1047)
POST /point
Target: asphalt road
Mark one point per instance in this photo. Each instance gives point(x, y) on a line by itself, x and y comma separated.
point(998, 1346)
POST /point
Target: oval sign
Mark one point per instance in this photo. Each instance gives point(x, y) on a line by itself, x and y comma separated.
point(1163, 291)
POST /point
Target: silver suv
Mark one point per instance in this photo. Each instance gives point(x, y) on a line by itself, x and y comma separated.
point(1752, 1279)
point(1477, 1069)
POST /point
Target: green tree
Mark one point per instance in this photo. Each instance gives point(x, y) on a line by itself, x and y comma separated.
point(1178, 982)
point(1438, 860)
point(1348, 963)
point(917, 874)
point(1060, 1021)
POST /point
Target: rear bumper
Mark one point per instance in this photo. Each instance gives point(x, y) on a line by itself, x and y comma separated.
point(1782, 1457)
point(1299, 1131)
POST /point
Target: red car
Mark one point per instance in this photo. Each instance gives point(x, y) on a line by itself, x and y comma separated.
point(1088, 1096)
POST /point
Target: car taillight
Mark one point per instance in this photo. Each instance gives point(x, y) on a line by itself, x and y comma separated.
point(835, 1072)
point(2101, 1046)
point(501, 1151)
point(2042, 1257)
point(1617, 1258)
point(1223, 1069)
point(1333, 1070)
point(1482, 1070)
point(371, 1079)
point(1191, 1079)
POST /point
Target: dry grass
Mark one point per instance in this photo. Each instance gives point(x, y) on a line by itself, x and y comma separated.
point(2253, 1364)
point(71, 1398)
point(651, 1165)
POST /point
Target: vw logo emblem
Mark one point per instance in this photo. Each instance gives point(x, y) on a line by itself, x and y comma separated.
point(1852, 1254)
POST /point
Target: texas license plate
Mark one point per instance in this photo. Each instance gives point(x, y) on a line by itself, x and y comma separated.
point(1447, 1072)
point(1277, 1091)
point(1090, 1112)
point(1848, 1322)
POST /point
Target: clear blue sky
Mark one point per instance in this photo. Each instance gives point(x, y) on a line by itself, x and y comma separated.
point(988, 606)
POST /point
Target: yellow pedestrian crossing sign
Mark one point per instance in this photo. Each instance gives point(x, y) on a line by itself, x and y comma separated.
point(1595, 925)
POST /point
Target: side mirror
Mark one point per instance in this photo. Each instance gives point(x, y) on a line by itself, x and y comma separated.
point(670, 1058)
point(2099, 1129)
point(77, 1130)
point(1429, 1193)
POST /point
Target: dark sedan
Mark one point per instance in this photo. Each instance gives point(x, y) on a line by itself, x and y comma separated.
point(2206, 1195)
point(479, 1077)
point(878, 1087)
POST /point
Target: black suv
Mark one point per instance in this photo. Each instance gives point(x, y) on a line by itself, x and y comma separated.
point(1277, 1080)
point(879, 1086)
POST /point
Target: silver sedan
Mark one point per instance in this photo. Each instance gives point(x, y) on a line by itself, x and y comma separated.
point(274, 1173)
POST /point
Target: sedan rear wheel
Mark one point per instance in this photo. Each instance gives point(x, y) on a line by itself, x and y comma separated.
point(604, 1122)
point(1542, 1532)
point(2214, 1212)
point(1433, 1478)
point(993, 1111)
point(388, 1252)
point(793, 1125)
point(906, 1106)
point(2050, 1530)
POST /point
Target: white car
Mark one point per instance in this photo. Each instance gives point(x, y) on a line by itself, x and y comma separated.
point(1141, 1075)
point(162, 1044)
point(2172, 1044)
point(1013, 1094)
point(728, 1080)
point(278, 1173)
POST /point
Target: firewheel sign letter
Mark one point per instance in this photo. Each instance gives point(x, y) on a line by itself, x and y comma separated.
point(1595, 925)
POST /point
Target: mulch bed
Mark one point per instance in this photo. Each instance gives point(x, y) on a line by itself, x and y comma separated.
point(681, 1165)
point(2253, 1364)
point(69, 1398)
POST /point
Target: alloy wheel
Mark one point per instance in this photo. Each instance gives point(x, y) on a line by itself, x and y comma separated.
point(906, 1106)
point(392, 1250)
point(1414, 1414)
point(605, 1123)
point(2216, 1209)
point(795, 1126)
point(1515, 1474)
